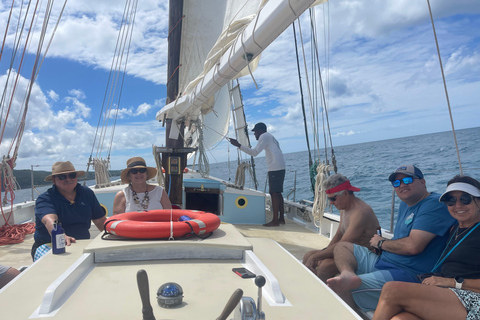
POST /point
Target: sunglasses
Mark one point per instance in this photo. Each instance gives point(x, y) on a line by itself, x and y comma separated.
point(62, 177)
point(141, 170)
point(333, 199)
point(406, 180)
point(464, 199)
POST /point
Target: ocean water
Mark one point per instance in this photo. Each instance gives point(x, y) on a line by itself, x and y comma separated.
point(367, 165)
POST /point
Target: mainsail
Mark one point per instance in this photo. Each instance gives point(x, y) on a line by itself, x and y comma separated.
point(247, 29)
point(205, 37)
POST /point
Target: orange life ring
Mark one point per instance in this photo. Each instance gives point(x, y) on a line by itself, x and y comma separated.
point(155, 224)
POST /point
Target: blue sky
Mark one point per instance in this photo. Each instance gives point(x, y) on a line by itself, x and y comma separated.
point(384, 78)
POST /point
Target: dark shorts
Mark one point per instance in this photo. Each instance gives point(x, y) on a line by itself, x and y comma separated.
point(275, 181)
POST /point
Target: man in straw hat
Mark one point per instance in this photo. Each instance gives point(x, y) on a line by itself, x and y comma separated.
point(68, 202)
point(357, 225)
point(139, 195)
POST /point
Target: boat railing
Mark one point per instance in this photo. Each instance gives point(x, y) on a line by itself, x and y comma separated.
point(294, 189)
point(109, 184)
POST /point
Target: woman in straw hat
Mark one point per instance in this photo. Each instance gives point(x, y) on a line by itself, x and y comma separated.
point(452, 290)
point(68, 202)
point(139, 195)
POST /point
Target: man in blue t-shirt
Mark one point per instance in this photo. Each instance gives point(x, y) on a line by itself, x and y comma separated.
point(73, 205)
point(419, 237)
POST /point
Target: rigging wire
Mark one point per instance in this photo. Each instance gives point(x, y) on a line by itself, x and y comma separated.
point(6, 29)
point(314, 95)
point(445, 87)
point(310, 162)
point(322, 91)
point(116, 79)
point(16, 233)
point(123, 79)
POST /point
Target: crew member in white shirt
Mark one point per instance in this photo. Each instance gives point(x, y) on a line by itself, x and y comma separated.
point(275, 167)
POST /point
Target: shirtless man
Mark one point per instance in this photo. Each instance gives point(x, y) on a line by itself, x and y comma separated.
point(358, 224)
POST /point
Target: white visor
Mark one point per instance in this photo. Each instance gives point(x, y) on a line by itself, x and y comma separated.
point(461, 186)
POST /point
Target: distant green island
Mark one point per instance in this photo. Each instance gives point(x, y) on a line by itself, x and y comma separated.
point(24, 177)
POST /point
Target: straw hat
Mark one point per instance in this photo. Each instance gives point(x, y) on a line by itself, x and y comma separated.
point(137, 162)
point(63, 168)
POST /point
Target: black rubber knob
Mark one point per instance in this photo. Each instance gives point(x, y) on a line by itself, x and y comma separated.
point(260, 281)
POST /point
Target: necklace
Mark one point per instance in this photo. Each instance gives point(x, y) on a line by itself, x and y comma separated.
point(144, 202)
point(461, 233)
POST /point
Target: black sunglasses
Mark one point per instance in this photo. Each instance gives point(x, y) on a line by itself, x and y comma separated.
point(141, 170)
point(332, 199)
point(464, 199)
point(62, 177)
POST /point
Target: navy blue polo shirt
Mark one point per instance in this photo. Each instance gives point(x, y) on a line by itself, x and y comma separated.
point(75, 218)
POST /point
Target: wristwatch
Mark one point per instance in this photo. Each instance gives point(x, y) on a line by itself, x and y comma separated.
point(380, 243)
point(458, 282)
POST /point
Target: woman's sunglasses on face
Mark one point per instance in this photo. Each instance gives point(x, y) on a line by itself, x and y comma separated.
point(62, 177)
point(135, 171)
point(406, 180)
point(464, 199)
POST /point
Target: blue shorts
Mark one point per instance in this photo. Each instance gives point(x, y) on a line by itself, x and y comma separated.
point(374, 273)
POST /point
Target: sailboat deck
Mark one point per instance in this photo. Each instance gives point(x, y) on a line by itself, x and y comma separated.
point(293, 237)
point(114, 283)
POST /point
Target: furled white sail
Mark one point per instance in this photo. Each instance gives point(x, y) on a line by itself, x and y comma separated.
point(208, 29)
point(247, 37)
point(241, 129)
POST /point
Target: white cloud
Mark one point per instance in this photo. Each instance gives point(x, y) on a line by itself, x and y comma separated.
point(143, 109)
point(52, 95)
point(76, 93)
point(383, 71)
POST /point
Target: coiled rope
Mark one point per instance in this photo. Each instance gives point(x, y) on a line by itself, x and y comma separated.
point(320, 200)
point(240, 174)
point(10, 234)
point(101, 168)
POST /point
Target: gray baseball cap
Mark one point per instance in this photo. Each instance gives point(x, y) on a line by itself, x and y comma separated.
point(409, 170)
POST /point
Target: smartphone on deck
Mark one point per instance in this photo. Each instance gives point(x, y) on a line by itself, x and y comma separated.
point(244, 273)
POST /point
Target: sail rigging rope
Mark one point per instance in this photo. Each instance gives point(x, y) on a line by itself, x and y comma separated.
point(116, 79)
point(26, 23)
point(445, 87)
point(321, 86)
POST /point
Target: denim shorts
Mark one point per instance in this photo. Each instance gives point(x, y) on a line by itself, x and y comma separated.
point(374, 273)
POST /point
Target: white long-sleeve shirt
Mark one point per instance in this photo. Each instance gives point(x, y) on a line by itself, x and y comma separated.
point(273, 153)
